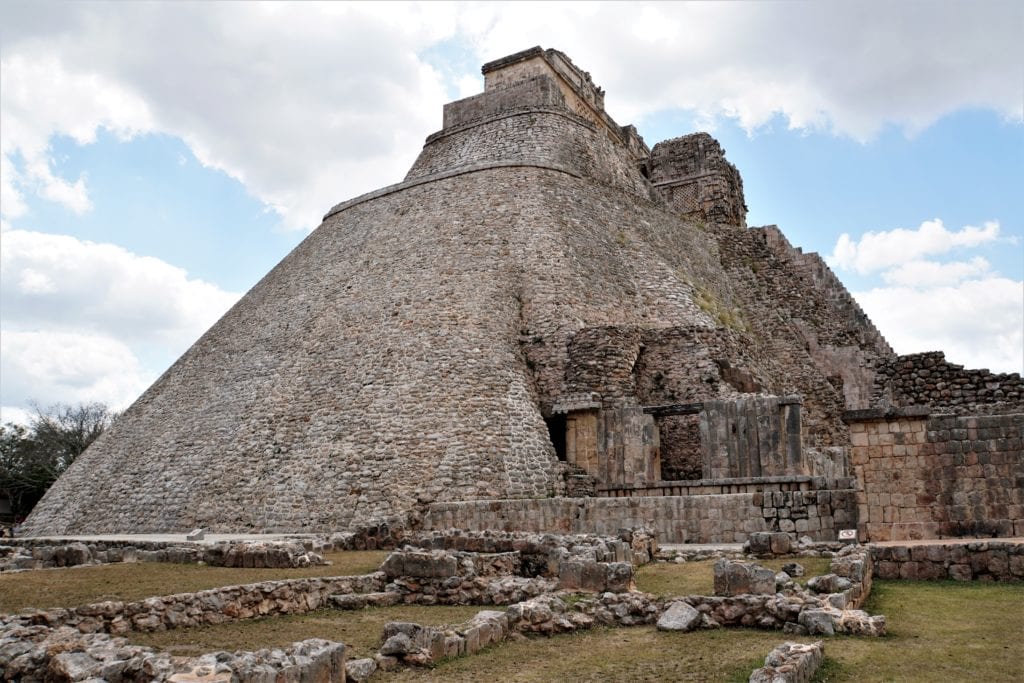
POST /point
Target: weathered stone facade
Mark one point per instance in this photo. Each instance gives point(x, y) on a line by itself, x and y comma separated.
point(926, 476)
point(711, 518)
point(979, 560)
point(928, 379)
point(543, 306)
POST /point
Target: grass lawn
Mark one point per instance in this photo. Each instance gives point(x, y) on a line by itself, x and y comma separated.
point(697, 578)
point(941, 631)
point(938, 631)
point(74, 586)
point(360, 630)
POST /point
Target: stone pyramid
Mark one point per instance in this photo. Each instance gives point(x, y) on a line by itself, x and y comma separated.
point(541, 302)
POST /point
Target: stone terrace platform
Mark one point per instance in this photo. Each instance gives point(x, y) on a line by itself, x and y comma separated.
point(131, 539)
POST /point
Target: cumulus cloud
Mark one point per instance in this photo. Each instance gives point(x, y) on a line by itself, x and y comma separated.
point(78, 317)
point(308, 104)
point(52, 367)
point(962, 307)
point(58, 281)
point(42, 99)
point(846, 67)
point(978, 323)
point(934, 274)
point(876, 251)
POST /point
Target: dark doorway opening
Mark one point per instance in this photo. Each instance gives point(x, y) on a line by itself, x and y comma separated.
point(556, 432)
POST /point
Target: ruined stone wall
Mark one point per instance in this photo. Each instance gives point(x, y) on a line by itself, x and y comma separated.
point(960, 561)
point(841, 339)
point(752, 437)
point(929, 379)
point(933, 477)
point(538, 92)
point(536, 135)
point(581, 95)
point(810, 338)
point(341, 389)
point(408, 351)
point(696, 181)
point(721, 518)
point(679, 443)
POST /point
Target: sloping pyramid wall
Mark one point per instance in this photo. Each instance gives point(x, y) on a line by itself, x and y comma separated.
point(407, 351)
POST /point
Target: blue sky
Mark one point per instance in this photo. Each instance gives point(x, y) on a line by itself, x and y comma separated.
point(148, 184)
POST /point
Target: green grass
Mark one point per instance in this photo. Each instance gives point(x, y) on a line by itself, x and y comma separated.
point(697, 578)
point(938, 631)
point(74, 586)
point(360, 630)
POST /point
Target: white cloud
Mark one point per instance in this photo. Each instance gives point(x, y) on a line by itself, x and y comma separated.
point(68, 367)
point(79, 318)
point(304, 104)
point(42, 99)
point(308, 104)
point(60, 282)
point(962, 307)
point(847, 67)
point(978, 323)
point(876, 251)
point(934, 274)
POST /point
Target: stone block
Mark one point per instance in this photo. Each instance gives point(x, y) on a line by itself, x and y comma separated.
point(735, 577)
point(359, 670)
point(679, 617)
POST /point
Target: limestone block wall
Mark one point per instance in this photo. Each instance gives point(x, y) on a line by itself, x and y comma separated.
point(213, 606)
point(923, 477)
point(409, 350)
point(803, 328)
point(984, 560)
point(752, 437)
point(929, 379)
point(844, 342)
point(723, 518)
point(538, 91)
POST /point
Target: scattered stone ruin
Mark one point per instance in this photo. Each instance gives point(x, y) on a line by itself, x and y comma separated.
point(549, 326)
point(545, 583)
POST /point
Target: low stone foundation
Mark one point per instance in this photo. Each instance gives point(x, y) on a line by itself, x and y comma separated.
point(19, 554)
point(981, 560)
point(530, 573)
point(34, 654)
point(724, 518)
point(214, 606)
point(790, 663)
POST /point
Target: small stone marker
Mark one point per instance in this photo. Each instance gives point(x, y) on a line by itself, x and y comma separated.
point(196, 534)
point(848, 535)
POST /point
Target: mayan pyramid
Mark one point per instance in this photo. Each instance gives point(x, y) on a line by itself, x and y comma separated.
point(538, 309)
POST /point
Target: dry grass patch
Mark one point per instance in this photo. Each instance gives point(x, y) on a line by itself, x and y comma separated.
point(697, 578)
point(938, 631)
point(639, 653)
point(360, 630)
point(74, 586)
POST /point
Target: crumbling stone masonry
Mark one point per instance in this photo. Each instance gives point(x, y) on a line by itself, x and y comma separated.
point(546, 307)
point(938, 476)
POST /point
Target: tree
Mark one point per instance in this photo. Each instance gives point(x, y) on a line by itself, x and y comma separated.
point(32, 458)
